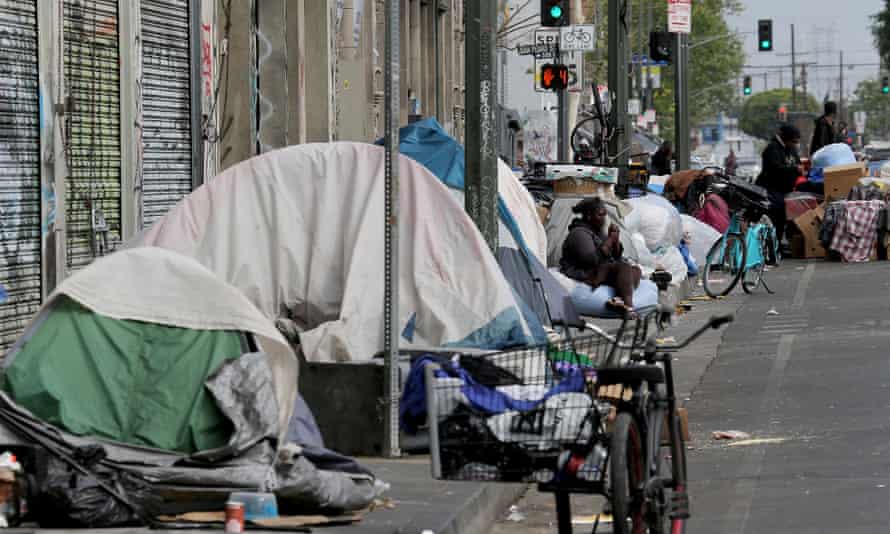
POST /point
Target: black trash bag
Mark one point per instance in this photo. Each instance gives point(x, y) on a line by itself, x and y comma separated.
point(67, 498)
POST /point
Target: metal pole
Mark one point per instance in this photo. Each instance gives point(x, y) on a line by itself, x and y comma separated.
point(481, 182)
point(793, 72)
point(618, 83)
point(391, 229)
point(842, 111)
point(195, 111)
point(562, 126)
point(765, 81)
point(681, 102)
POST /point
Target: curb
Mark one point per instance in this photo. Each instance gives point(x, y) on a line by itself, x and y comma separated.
point(476, 515)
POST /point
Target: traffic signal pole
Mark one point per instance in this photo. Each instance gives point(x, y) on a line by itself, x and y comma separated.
point(562, 121)
point(618, 81)
point(681, 101)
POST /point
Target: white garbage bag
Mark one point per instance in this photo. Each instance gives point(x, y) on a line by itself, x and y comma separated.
point(671, 260)
point(657, 220)
point(700, 237)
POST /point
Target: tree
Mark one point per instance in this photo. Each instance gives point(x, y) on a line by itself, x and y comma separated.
point(714, 66)
point(760, 114)
point(869, 98)
point(880, 29)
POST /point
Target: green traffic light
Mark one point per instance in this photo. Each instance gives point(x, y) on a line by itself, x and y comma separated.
point(764, 45)
point(556, 12)
point(885, 89)
point(747, 90)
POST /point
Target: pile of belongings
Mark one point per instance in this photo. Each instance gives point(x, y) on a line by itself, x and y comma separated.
point(505, 416)
point(161, 397)
point(853, 228)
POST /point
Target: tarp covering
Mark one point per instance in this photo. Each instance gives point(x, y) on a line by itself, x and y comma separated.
point(128, 381)
point(300, 232)
point(159, 289)
point(427, 143)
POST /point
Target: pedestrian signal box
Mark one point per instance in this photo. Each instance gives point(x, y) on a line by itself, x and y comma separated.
point(554, 77)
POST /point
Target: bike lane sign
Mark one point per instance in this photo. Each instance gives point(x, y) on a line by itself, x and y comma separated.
point(577, 37)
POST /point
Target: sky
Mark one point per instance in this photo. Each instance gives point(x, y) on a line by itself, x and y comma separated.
point(822, 29)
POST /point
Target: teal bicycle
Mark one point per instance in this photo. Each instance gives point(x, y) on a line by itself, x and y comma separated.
point(749, 244)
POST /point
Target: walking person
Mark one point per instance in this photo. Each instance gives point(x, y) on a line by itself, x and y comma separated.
point(781, 168)
point(825, 132)
point(730, 164)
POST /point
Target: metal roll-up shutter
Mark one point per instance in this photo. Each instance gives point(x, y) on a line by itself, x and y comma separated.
point(19, 168)
point(166, 90)
point(92, 125)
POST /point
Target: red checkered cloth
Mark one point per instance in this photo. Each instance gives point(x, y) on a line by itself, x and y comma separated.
point(857, 231)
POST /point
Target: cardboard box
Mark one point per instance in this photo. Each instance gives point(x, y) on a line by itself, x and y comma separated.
point(806, 244)
point(841, 179)
point(582, 186)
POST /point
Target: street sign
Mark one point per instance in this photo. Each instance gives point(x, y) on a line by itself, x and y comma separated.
point(859, 118)
point(574, 62)
point(578, 37)
point(680, 16)
point(538, 50)
point(634, 106)
point(547, 37)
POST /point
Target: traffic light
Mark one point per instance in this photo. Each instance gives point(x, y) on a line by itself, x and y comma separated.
point(885, 85)
point(554, 77)
point(783, 113)
point(765, 35)
point(747, 89)
point(555, 13)
point(660, 46)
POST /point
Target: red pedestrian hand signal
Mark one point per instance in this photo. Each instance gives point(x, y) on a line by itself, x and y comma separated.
point(554, 77)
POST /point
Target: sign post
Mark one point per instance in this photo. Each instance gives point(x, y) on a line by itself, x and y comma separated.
point(680, 24)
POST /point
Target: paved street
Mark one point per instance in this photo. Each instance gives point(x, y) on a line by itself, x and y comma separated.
point(811, 387)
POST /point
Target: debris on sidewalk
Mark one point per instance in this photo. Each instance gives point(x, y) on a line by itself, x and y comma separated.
point(761, 441)
point(730, 434)
point(773, 311)
point(515, 515)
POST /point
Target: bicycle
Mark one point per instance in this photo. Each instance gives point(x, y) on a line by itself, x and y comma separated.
point(578, 34)
point(747, 246)
point(617, 433)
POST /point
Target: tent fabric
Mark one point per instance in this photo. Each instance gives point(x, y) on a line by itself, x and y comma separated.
point(300, 232)
point(128, 381)
point(427, 143)
point(534, 283)
point(160, 287)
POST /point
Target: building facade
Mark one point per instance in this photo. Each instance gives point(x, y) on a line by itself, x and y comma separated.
point(113, 110)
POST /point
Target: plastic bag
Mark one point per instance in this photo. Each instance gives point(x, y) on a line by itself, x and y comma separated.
point(657, 220)
point(833, 155)
point(671, 260)
point(700, 237)
point(644, 258)
point(69, 499)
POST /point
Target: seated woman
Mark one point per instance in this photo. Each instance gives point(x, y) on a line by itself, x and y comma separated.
point(592, 253)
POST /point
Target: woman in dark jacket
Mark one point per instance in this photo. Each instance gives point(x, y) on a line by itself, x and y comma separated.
point(780, 169)
point(592, 253)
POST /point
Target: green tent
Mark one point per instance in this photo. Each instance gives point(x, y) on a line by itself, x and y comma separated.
point(124, 380)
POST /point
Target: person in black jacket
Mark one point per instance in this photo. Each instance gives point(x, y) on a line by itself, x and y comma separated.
point(661, 160)
point(825, 132)
point(780, 170)
point(592, 253)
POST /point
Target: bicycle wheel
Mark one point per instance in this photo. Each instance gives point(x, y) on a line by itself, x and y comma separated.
point(671, 465)
point(724, 265)
point(626, 474)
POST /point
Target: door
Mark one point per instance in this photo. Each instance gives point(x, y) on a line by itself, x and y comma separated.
point(19, 168)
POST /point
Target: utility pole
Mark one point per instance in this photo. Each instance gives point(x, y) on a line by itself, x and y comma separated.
point(842, 111)
point(392, 384)
point(765, 81)
point(681, 100)
point(618, 83)
point(481, 182)
point(793, 72)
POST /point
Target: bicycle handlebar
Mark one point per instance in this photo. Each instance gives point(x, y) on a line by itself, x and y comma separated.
point(714, 323)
